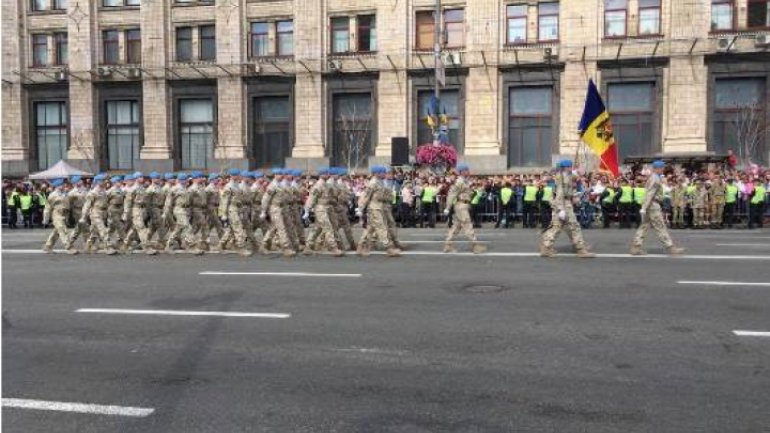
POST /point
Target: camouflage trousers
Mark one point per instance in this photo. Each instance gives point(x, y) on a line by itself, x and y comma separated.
point(200, 226)
point(390, 223)
point(654, 219)
point(99, 230)
point(139, 228)
point(115, 224)
point(677, 215)
point(699, 217)
point(182, 230)
point(376, 229)
point(158, 226)
point(278, 228)
point(323, 229)
point(717, 211)
point(238, 230)
point(214, 224)
point(343, 224)
point(570, 225)
point(79, 229)
point(461, 223)
point(298, 235)
point(60, 231)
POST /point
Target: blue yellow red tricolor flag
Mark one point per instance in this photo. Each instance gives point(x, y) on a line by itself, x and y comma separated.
point(596, 130)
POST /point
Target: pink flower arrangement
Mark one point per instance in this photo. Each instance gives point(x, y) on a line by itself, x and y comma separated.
point(432, 155)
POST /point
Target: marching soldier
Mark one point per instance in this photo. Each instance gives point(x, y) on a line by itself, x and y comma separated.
point(178, 202)
point(77, 197)
point(199, 208)
point(115, 210)
point(58, 211)
point(341, 203)
point(158, 227)
point(564, 215)
point(319, 202)
point(376, 228)
point(136, 209)
point(231, 212)
point(212, 203)
point(459, 199)
point(257, 191)
point(95, 209)
point(273, 202)
point(652, 214)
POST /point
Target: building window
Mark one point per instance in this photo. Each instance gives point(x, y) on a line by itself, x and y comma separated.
point(740, 117)
point(122, 134)
point(454, 24)
point(548, 22)
point(112, 3)
point(196, 128)
point(530, 126)
point(260, 39)
point(285, 32)
point(132, 2)
point(340, 35)
point(615, 14)
point(39, 5)
point(352, 141)
point(631, 107)
point(183, 44)
point(133, 47)
point(60, 42)
point(111, 47)
point(50, 132)
point(60, 5)
point(722, 15)
point(649, 17)
point(39, 50)
point(272, 123)
point(425, 30)
point(759, 14)
point(208, 47)
point(367, 33)
point(517, 24)
point(450, 101)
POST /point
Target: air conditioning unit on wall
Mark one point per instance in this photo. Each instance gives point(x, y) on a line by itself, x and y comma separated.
point(723, 45)
point(452, 58)
point(134, 73)
point(335, 65)
point(762, 41)
point(104, 72)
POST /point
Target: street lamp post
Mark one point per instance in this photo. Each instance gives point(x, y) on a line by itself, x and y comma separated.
point(436, 62)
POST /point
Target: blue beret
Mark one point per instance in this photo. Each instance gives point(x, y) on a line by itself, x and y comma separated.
point(245, 173)
point(658, 164)
point(213, 176)
point(324, 171)
point(257, 174)
point(297, 173)
point(99, 178)
point(197, 175)
point(138, 174)
point(341, 171)
point(181, 176)
point(154, 175)
point(275, 171)
point(463, 167)
point(75, 179)
point(234, 172)
point(169, 176)
point(57, 183)
point(565, 163)
point(116, 179)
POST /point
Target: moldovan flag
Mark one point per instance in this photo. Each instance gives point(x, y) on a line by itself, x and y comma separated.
point(596, 130)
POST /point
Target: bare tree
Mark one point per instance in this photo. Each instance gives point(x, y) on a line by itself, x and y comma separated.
point(751, 130)
point(355, 130)
point(85, 151)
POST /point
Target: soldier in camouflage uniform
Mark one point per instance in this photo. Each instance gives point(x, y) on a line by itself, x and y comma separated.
point(95, 208)
point(717, 203)
point(178, 203)
point(294, 210)
point(371, 202)
point(459, 199)
point(652, 215)
point(115, 210)
point(563, 215)
point(700, 205)
point(320, 202)
point(157, 226)
point(231, 199)
point(77, 197)
point(212, 201)
point(257, 192)
point(341, 210)
point(678, 203)
point(57, 211)
point(199, 209)
point(273, 202)
point(136, 210)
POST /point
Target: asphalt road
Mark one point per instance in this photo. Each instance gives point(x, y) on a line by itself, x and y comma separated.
point(503, 342)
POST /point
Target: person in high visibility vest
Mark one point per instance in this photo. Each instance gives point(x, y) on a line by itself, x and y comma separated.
point(546, 197)
point(479, 193)
point(428, 202)
point(639, 193)
point(625, 204)
point(504, 212)
point(25, 199)
point(607, 199)
point(731, 200)
point(13, 203)
point(757, 203)
point(532, 196)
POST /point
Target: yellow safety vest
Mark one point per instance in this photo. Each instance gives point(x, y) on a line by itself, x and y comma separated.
point(11, 200)
point(759, 195)
point(626, 195)
point(610, 196)
point(530, 193)
point(477, 196)
point(639, 193)
point(547, 194)
point(26, 202)
point(732, 194)
point(428, 194)
point(506, 194)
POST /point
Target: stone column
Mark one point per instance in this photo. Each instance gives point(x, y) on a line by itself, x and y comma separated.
point(393, 107)
point(84, 150)
point(231, 115)
point(15, 155)
point(157, 111)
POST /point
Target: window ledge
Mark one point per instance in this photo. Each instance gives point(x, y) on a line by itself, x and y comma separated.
point(717, 34)
point(47, 12)
point(530, 45)
point(353, 54)
point(192, 4)
point(117, 8)
point(270, 59)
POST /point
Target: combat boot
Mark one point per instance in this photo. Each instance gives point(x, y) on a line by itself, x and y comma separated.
point(72, 251)
point(88, 248)
point(151, 251)
point(584, 253)
point(637, 251)
point(393, 252)
point(48, 249)
point(307, 251)
point(478, 248)
point(675, 251)
point(547, 252)
point(245, 252)
point(363, 251)
point(110, 251)
point(337, 252)
point(449, 248)
point(288, 253)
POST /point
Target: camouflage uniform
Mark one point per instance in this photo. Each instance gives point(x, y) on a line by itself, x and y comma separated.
point(115, 213)
point(78, 200)
point(341, 201)
point(459, 199)
point(199, 208)
point(178, 202)
point(678, 204)
point(718, 192)
point(257, 223)
point(158, 226)
point(95, 208)
point(212, 203)
point(136, 209)
point(57, 211)
point(376, 227)
point(653, 216)
point(231, 199)
point(562, 202)
point(273, 202)
point(319, 201)
point(699, 206)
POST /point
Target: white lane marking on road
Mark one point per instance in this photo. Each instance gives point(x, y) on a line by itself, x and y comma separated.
point(726, 235)
point(372, 350)
point(441, 242)
point(282, 274)
point(745, 245)
point(61, 406)
point(184, 313)
point(11, 251)
point(724, 283)
point(752, 333)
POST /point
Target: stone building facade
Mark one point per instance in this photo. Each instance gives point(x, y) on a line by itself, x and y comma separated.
point(123, 85)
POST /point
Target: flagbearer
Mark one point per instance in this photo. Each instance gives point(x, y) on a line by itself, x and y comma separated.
point(651, 214)
point(596, 130)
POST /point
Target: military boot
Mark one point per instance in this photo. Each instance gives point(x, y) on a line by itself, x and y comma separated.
point(48, 249)
point(289, 253)
point(363, 251)
point(675, 251)
point(547, 252)
point(72, 251)
point(584, 253)
point(88, 248)
point(637, 250)
point(353, 247)
point(110, 251)
point(393, 252)
point(245, 252)
point(337, 252)
point(308, 251)
point(478, 248)
point(449, 248)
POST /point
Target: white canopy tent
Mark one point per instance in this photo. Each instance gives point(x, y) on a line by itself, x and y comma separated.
point(59, 170)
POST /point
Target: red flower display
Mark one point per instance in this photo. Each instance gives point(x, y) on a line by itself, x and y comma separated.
point(436, 155)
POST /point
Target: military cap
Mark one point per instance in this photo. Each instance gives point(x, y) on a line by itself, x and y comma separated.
point(154, 175)
point(169, 176)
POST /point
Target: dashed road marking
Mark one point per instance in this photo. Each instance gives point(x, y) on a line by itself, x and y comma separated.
point(61, 406)
point(282, 274)
point(183, 313)
point(725, 283)
point(752, 333)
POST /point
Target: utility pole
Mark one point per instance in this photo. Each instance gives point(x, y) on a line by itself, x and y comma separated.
point(437, 62)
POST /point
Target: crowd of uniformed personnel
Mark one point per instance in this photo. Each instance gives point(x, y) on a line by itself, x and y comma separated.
point(243, 211)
